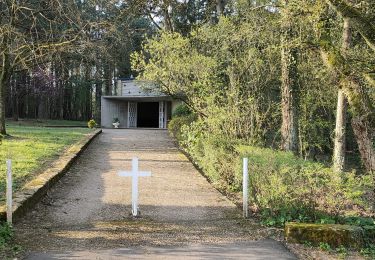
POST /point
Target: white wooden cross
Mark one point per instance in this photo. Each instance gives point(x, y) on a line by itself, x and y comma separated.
point(134, 174)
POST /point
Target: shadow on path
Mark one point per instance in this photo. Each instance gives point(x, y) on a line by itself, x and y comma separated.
point(182, 214)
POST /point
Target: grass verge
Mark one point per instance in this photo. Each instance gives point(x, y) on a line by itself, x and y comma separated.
point(32, 146)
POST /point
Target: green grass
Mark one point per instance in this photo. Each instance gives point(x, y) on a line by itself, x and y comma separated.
point(32, 147)
point(46, 123)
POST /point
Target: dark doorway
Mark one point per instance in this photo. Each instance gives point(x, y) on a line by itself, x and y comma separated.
point(148, 114)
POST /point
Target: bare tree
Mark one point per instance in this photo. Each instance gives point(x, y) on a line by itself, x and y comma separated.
point(30, 31)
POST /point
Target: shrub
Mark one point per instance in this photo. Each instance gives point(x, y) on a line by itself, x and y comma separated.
point(281, 182)
point(283, 187)
point(181, 111)
point(176, 124)
point(91, 124)
point(369, 252)
point(6, 233)
point(214, 154)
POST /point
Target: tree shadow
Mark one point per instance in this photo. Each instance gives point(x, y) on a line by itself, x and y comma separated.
point(79, 214)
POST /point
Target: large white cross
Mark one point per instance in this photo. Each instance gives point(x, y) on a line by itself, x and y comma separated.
point(134, 174)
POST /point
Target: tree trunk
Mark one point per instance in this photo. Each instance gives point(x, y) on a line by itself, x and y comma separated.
point(3, 87)
point(88, 99)
point(220, 7)
point(340, 131)
point(168, 24)
point(364, 139)
point(289, 86)
point(360, 21)
point(15, 105)
point(5, 75)
point(107, 80)
point(98, 102)
point(363, 121)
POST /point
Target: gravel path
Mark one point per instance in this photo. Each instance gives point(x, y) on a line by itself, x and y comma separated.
point(88, 212)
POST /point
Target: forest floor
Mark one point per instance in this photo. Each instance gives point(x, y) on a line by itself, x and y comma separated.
point(33, 145)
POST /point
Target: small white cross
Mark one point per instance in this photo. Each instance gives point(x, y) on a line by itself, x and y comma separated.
point(134, 174)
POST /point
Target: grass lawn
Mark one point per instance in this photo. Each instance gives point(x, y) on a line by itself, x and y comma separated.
point(46, 123)
point(32, 145)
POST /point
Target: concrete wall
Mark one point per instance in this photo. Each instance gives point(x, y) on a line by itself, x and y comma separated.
point(130, 88)
point(114, 108)
point(135, 88)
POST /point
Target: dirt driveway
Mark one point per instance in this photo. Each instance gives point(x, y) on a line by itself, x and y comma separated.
point(87, 214)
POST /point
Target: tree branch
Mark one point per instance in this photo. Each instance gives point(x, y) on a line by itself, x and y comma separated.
point(357, 19)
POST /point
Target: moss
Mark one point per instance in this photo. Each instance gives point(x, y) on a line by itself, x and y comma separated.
point(332, 234)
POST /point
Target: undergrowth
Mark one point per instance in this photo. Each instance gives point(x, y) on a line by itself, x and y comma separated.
point(283, 187)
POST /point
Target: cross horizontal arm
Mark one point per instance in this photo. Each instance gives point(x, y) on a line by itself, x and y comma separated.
point(144, 174)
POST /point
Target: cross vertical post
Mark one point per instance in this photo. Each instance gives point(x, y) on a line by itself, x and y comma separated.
point(135, 186)
point(9, 192)
point(245, 186)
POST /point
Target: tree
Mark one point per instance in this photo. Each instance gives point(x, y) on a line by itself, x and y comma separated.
point(341, 111)
point(359, 21)
point(289, 82)
point(81, 58)
point(353, 82)
point(220, 7)
point(30, 31)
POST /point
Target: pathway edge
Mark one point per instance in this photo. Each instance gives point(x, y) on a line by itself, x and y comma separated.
point(34, 190)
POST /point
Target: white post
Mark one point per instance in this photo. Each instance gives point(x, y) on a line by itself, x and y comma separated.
point(135, 186)
point(9, 192)
point(245, 186)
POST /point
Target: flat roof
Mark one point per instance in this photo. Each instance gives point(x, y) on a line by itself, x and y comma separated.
point(140, 98)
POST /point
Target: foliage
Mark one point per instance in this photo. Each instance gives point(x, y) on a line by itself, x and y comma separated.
point(342, 251)
point(325, 247)
point(228, 73)
point(280, 181)
point(64, 77)
point(32, 147)
point(31, 41)
point(6, 233)
point(91, 124)
point(192, 72)
point(1, 138)
point(181, 110)
point(316, 108)
point(175, 125)
point(283, 187)
point(369, 251)
point(115, 120)
point(358, 221)
point(219, 75)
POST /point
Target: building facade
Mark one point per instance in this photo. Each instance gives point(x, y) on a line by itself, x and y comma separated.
point(136, 104)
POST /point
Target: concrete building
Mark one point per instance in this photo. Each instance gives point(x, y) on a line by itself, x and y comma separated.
point(136, 104)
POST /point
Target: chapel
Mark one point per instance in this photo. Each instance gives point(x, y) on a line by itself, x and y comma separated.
point(136, 104)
